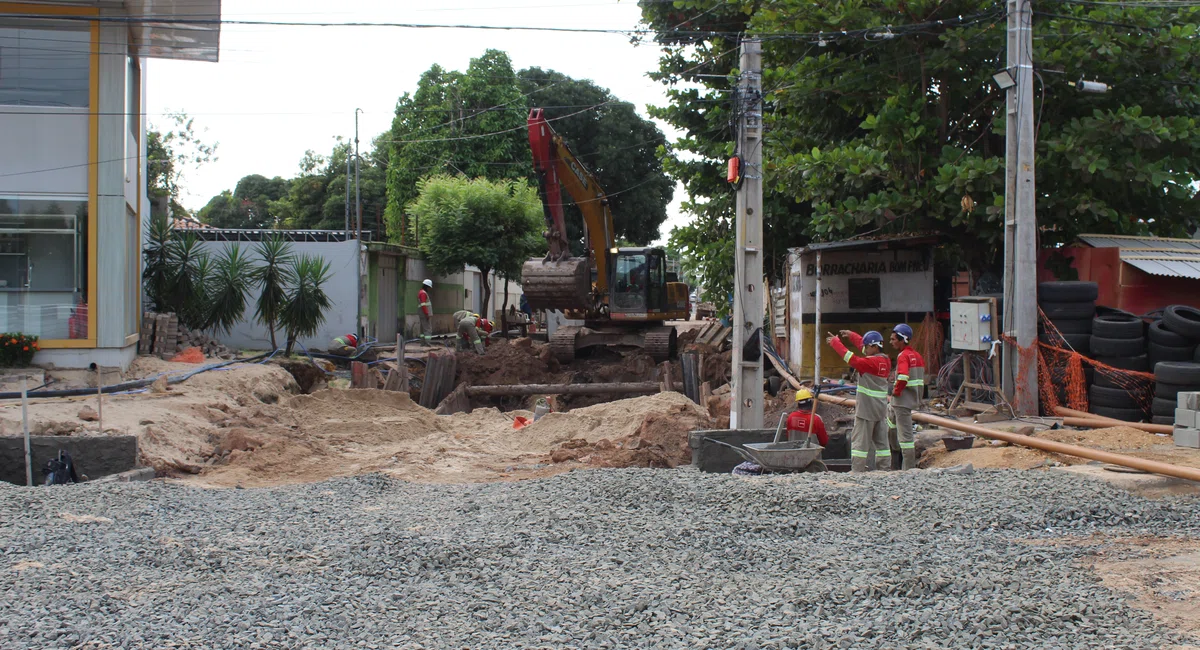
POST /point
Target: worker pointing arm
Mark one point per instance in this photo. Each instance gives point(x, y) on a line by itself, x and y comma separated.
point(870, 433)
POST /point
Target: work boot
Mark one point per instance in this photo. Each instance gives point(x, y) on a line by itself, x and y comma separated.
point(910, 459)
point(858, 465)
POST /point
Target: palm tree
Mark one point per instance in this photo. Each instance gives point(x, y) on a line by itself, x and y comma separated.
point(226, 290)
point(273, 277)
point(304, 309)
point(160, 263)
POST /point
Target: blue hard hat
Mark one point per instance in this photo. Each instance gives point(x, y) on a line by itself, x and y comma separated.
point(872, 338)
point(904, 331)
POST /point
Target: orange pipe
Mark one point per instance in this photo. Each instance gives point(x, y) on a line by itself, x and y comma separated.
point(1111, 422)
point(1154, 467)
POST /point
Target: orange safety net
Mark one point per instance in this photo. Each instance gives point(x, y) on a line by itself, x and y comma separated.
point(1062, 380)
point(928, 340)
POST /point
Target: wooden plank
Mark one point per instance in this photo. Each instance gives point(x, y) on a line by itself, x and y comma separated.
point(360, 377)
point(689, 362)
point(439, 378)
point(456, 402)
point(664, 373)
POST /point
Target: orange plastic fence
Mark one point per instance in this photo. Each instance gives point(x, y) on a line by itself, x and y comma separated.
point(1062, 380)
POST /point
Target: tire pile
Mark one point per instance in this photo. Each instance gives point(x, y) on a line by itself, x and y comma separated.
point(1174, 356)
point(1070, 306)
point(1118, 340)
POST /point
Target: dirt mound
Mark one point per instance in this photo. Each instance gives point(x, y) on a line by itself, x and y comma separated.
point(518, 362)
point(985, 453)
point(640, 432)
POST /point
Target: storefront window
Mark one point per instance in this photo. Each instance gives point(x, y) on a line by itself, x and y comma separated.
point(43, 266)
point(44, 63)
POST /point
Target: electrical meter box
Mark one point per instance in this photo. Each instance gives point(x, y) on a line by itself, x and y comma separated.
point(971, 324)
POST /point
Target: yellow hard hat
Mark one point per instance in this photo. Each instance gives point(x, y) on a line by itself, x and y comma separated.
point(803, 394)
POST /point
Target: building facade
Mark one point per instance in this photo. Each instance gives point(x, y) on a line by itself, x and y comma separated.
point(73, 201)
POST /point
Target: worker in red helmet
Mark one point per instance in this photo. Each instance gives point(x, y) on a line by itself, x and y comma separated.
point(486, 327)
point(344, 346)
point(468, 325)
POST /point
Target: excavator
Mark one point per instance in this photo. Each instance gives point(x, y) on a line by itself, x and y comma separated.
point(624, 296)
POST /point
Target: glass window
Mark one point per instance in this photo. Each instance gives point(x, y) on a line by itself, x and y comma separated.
point(44, 62)
point(43, 270)
point(629, 292)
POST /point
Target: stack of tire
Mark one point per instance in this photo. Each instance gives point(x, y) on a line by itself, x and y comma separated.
point(1070, 306)
point(1175, 358)
point(1117, 340)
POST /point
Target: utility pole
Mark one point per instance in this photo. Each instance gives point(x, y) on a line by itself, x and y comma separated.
point(746, 407)
point(357, 194)
point(347, 192)
point(1019, 380)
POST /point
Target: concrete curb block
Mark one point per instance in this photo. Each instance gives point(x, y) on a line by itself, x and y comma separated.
point(136, 474)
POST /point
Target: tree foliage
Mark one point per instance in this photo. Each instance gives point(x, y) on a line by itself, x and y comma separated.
point(253, 204)
point(492, 225)
point(871, 134)
point(169, 153)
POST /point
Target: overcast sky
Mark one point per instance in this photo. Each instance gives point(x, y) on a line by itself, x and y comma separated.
point(278, 91)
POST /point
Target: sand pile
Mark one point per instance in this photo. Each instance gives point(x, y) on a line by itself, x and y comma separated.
point(518, 362)
point(1120, 439)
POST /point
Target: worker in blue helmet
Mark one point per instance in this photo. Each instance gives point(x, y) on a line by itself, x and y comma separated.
point(907, 392)
point(870, 434)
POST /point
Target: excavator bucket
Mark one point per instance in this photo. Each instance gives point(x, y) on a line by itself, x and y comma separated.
point(564, 285)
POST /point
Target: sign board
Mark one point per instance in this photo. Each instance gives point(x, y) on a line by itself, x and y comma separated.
point(868, 281)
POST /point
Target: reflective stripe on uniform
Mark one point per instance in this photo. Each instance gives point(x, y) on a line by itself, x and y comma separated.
point(848, 356)
point(901, 377)
point(908, 445)
point(879, 394)
point(916, 382)
point(891, 425)
point(858, 454)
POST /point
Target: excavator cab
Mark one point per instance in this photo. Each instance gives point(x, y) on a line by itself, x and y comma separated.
point(639, 281)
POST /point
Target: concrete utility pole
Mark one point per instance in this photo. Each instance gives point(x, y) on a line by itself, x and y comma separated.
point(1019, 380)
point(347, 192)
point(746, 408)
point(357, 194)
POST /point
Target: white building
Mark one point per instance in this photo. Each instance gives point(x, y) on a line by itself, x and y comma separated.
point(73, 165)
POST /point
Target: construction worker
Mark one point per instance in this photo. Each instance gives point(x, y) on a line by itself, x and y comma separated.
point(906, 395)
point(799, 421)
point(870, 433)
point(426, 311)
point(344, 346)
point(468, 329)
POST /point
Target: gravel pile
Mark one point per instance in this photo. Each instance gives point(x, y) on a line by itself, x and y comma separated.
point(599, 558)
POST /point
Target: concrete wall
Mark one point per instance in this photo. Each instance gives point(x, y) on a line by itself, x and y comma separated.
point(342, 289)
point(94, 456)
point(447, 296)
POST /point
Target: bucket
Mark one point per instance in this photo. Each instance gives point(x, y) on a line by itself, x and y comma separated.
point(541, 408)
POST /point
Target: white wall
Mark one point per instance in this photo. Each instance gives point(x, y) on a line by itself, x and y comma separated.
point(56, 139)
point(905, 280)
point(342, 289)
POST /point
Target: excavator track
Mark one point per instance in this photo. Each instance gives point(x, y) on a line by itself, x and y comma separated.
point(660, 343)
point(562, 344)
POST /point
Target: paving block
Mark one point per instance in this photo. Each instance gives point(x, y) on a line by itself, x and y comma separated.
point(1189, 400)
point(1187, 437)
point(1185, 418)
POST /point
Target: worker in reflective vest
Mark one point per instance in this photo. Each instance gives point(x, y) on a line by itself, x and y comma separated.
point(468, 326)
point(907, 393)
point(804, 418)
point(426, 311)
point(870, 433)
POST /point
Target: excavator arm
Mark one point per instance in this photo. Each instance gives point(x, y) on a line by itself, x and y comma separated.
point(557, 168)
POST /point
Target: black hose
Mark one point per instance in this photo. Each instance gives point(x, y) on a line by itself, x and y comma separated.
point(129, 385)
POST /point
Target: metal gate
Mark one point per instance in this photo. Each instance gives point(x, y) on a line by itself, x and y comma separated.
point(387, 281)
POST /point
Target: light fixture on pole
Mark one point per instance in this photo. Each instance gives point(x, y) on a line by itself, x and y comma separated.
point(1004, 79)
point(1094, 87)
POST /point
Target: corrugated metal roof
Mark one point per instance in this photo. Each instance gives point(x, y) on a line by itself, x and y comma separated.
point(1162, 256)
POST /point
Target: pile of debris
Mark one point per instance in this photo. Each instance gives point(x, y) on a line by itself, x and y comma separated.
point(164, 336)
point(208, 345)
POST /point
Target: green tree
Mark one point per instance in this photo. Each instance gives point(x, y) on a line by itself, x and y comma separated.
point(306, 303)
point(469, 123)
point(272, 277)
point(867, 133)
point(621, 148)
point(492, 225)
point(253, 204)
point(168, 153)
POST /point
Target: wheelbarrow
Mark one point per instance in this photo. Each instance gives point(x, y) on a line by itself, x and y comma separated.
point(793, 456)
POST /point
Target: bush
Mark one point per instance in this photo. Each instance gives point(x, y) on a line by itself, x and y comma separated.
point(17, 350)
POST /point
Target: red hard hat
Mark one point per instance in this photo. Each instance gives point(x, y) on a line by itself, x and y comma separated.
point(485, 324)
point(352, 339)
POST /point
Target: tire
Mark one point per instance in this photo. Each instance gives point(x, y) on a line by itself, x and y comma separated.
point(1139, 363)
point(1168, 420)
point(1165, 390)
point(1178, 372)
point(1068, 291)
point(1158, 333)
point(1117, 326)
point(1163, 406)
point(1196, 357)
point(1183, 320)
point(1112, 397)
point(1127, 415)
point(1073, 325)
point(1159, 353)
point(1060, 310)
point(1117, 347)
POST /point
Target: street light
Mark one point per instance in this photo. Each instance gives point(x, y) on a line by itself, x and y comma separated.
point(1094, 87)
